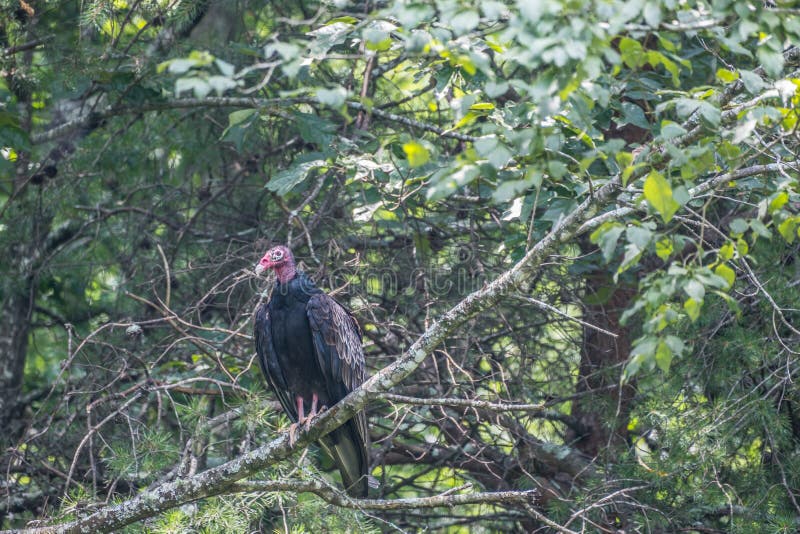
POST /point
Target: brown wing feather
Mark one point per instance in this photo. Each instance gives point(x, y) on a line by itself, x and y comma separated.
point(337, 341)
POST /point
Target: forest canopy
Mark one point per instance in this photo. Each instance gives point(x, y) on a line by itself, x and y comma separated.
point(568, 230)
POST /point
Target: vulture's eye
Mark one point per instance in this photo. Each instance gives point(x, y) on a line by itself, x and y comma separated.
point(277, 255)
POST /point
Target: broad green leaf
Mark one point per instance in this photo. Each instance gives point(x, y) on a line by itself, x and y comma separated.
point(509, 189)
point(640, 236)
point(631, 258)
point(658, 194)
point(241, 115)
point(675, 344)
point(652, 13)
point(771, 60)
point(695, 289)
point(446, 181)
point(663, 356)
point(671, 130)
point(788, 228)
point(225, 68)
point(752, 81)
point(725, 272)
point(334, 97)
point(633, 114)
point(220, 84)
point(464, 21)
point(556, 169)
point(198, 86)
point(495, 89)
point(739, 226)
point(726, 251)
point(286, 180)
point(778, 202)
point(632, 53)
point(417, 154)
point(500, 156)
point(606, 237)
point(692, 308)
point(727, 76)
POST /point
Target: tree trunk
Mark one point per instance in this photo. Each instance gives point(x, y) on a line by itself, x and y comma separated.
point(16, 319)
point(605, 410)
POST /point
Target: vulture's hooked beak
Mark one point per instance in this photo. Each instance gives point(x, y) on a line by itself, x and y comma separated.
point(259, 269)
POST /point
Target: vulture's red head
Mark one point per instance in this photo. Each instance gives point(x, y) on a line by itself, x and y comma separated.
point(279, 258)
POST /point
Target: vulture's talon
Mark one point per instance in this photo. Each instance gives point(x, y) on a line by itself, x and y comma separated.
point(292, 434)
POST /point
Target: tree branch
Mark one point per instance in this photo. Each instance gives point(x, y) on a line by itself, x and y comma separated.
point(226, 102)
point(338, 498)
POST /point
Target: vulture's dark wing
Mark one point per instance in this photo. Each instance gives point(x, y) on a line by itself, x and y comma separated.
point(268, 360)
point(337, 344)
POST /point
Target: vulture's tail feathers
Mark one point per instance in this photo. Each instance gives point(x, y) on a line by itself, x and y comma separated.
point(348, 452)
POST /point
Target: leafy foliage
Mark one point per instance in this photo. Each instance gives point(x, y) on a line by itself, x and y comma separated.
point(410, 152)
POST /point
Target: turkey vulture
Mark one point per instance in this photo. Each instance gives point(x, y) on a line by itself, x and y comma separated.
point(309, 349)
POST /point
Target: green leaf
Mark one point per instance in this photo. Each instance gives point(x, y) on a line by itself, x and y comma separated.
point(220, 84)
point(752, 81)
point(198, 86)
point(671, 130)
point(771, 60)
point(692, 308)
point(225, 68)
point(652, 14)
point(632, 53)
point(557, 169)
point(695, 289)
point(726, 273)
point(286, 180)
point(334, 97)
point(239, 116)
point(446, 181)
point(664, 248)
point(606, 237)
point(726, 251)
point(727, 76)
point(658, 194)
point(510, 189)
point(500, 156)
point(778, 202)
point(178, 66)
point(640, 236)
point(739, 226)
point(708, 111)
point(417, 154)
point(464, 22)
point(663, 356)
point(631, 258)
point(495, 89)
point(14, 137)
point(377, 40)
point(788, 228)
point(482, 106)
point(633, 114)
